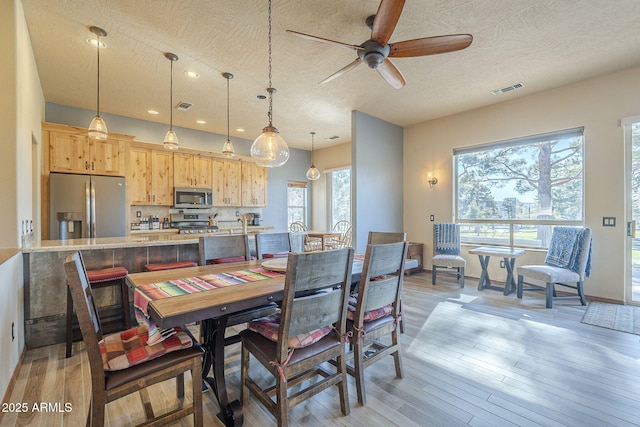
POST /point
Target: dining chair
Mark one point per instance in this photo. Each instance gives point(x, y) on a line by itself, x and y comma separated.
point(375, 312)
point(446, 251)
point(273, 245)
point(310, 244)
point(308, 331)
point(122, 363)
point(382, 237)
point(341, 227)
point(567, 263)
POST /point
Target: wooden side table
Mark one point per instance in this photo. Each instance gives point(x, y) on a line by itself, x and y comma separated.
point(415, 250)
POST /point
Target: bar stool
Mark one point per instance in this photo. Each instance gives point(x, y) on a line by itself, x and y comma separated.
point(102, 278)
point(170, 265)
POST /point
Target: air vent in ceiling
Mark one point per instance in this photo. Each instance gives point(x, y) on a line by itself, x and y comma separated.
point(183, 106)
point(507, 89)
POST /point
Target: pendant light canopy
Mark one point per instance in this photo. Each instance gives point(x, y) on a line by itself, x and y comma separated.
point(171, 139)
point(97, 127)
point(227, 148)
point(270, 149)
point(313, 174)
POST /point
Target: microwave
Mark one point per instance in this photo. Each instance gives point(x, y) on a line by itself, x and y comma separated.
point(192, 198)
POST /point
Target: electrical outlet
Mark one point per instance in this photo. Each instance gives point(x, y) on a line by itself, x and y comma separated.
point(138, 214)
point(501, 263)
point(237, 213)
point(431, 218)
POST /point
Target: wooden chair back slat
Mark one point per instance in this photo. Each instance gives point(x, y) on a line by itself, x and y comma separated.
point(272, 243)
point(212, 247)
point(315, 312)
point(383, 237)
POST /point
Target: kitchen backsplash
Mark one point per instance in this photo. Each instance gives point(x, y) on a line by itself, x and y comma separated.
point(226, 215)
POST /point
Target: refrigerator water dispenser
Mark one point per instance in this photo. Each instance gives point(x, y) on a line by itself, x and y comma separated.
point(69, 225)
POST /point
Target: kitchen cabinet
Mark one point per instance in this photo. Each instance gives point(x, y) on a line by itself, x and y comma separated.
point(254, 185)
point(74, 152)
point(150, 177)
point(226, 182)
point(191, 170)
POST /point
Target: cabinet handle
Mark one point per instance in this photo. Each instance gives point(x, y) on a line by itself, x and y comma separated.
point(93, 166)
point(154, 198)
point(86, 165)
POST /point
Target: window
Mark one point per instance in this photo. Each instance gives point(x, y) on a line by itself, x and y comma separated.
point(340, 191)
point(296, 202)
point(513, 192)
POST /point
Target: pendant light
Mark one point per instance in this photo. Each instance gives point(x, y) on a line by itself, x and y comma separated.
point(97, 127)
point(171, 139)
point(227, 148)
point(270, 149)
point(313, 174)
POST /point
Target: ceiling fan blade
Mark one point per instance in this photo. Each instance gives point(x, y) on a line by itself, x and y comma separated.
point(386, 19)
point(326, 41)
point(391, 74)
point(430, 45)
point(341, 71)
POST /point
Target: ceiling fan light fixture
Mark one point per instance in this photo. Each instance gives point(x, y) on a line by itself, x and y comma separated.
point(313, 174)
point(270, 149)
point(97, 127)
point(171, 139)
point(227, 148)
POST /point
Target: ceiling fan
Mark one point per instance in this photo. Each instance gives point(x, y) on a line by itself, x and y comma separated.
point(376, 52)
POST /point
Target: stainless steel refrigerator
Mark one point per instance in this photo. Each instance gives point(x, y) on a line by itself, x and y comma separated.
point(86, 206)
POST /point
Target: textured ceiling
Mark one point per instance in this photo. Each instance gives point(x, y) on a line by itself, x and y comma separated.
point(542, 43)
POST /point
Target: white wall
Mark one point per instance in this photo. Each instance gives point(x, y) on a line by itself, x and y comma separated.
point(597, 104)
point(22, 110)
point(326, 159)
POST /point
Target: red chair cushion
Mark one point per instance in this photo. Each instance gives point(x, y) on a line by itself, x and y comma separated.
point(269, 328)
point(128, 348)
point(369, 316)
point(106, 274)
point(169, 265)
point(276, 255)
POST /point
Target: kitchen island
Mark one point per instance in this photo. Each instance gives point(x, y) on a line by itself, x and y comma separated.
point(45, 283)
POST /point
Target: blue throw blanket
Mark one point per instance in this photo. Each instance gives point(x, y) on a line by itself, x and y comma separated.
point(447, 239)
point(565, 249)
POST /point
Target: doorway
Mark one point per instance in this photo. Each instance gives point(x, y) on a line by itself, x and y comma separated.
point(632, 196)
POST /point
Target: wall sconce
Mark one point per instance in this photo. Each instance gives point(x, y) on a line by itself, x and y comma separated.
point(432, 181)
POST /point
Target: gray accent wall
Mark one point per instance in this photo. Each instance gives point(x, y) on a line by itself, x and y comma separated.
point(376, 177)
point(276, 211)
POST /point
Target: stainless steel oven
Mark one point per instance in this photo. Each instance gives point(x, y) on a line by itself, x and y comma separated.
point(192, 198)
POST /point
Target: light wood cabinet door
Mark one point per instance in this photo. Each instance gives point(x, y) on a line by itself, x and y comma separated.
point(161, 178)
point(254, 185)
point(139, 176)
point(191, 170)
point(68, 152)
point(226, 182)
point(202, 171)
point(106, 157)
point(77, 153)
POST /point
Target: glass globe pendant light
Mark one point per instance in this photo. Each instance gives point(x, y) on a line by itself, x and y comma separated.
point(313, 174)
point(97, 127)
point(171, 139)
point(270, 149)
point(227, 148)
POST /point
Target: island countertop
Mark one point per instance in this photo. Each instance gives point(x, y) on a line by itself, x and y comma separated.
point(133, 241)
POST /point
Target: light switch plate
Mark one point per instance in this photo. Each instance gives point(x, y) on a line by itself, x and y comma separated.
point(138, 214)
point(608, 221)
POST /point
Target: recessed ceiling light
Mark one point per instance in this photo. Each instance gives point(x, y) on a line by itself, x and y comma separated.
point(200, 122)
point(192, 74)
point(95, 42)
point(154, 112)
point(239, 130)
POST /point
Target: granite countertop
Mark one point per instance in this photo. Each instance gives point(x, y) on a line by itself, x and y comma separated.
point(158, 239)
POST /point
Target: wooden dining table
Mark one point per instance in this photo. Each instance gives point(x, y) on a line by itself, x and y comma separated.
point(213, 307)
point(324, 236)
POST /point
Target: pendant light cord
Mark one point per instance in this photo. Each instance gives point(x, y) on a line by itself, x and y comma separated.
point(171, 97)
point(270, 89)
point(98, 85)
point(312, 135)
point(228, 78)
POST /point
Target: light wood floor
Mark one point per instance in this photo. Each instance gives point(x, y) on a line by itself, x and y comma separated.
point(470, 358)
